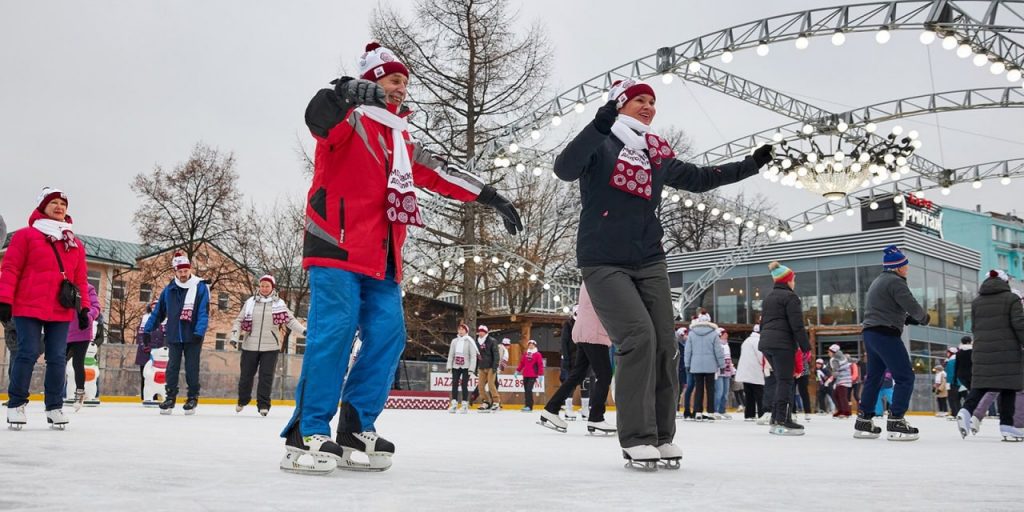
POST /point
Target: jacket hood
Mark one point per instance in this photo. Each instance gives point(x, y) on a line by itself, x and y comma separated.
point(703, 328)
point(993, 285)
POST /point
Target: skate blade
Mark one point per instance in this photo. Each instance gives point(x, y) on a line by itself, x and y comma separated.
point(166, 412)
point(1011, 439)
point(552, 426)
point(377, 463)
point(647, 466)
point(902, 437)
point(15, 426)
point(308, 464)
point(786, 433)
point(672, 463)
point(191, 412)
point(600, 432)
point(865, 435)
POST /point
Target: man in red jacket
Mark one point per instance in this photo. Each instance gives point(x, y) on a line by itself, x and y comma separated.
point(361, 201)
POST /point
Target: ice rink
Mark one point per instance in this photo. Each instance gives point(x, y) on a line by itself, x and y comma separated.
point(126, 457)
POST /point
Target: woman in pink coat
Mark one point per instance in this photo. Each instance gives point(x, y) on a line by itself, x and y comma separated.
point(38, 260)
point(592, 344)
point(531, 366)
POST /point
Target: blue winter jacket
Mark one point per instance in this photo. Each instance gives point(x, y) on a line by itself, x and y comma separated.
point(169, 306)
point(703, 354)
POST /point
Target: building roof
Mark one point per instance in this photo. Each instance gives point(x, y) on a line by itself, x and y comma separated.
point(105, 250)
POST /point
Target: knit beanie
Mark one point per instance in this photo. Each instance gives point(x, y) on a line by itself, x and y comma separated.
point(49, 194)
point(894, 258)
point(624, 90)
point(780, 272)
point(378, 62)
point(180, 261)
point(1001, 274)
point(270, 279)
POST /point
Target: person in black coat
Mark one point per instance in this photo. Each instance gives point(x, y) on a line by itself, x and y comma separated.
point(997, 317)
point(782, 333)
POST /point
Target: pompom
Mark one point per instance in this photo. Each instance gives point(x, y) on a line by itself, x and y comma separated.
point(617, 82)
point(372, 46)
point(179, 253)
point(892, 249)
point(993, 273)
point(773, 265)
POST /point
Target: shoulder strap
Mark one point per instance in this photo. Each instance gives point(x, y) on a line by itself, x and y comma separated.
point(60, 264)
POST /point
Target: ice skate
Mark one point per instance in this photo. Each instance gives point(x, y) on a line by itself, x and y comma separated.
point(552, 421)
point(16, 417)
point(584, 408)
point(452, 407)
point(310, 455)
point(167, 406)
point(57, 419)
point(79, 399)
point(670, 456)
point(807, 417)
point(975, 425)
point(464, 408)
point(190, 406)
point(238, 408)
point(1011, 434)
point(786, 427)
point(765, 419)
point(495, 407)
point(600, 428)
point(864, 428)
point(377, 449)
point(526, 409)
point(644, 457)
point(484, 407)
point(264, 412)
point(963, 423)
point(570, 415)
point(899, 430)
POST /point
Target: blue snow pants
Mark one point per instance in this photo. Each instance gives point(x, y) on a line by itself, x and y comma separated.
point(340, 301)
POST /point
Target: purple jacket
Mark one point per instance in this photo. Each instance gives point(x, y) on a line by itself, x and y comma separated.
point(156, 340)
point(76, 335)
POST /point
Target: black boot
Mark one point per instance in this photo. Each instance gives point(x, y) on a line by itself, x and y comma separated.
point(864, 427)
point(168, 404)
point(900, 430)
point(190, 405)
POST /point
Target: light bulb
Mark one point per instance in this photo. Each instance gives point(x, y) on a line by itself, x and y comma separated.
point(896, 130)
point(829, 218)
point(430, 272)
point(882, 36)
point(738, 220)
point(556, 298)
point(726, 57)
point(446, 264)
point(512, 148)
point(913, 134)
point(980, 59)
point(520, 270)
point(715, 212)
point(873, 205)
point(666, 78)
point(842, 126)
point(537, 171)
point(802, 43)
point(772, 232)
point(701, 207)
point(919, 194)
point(761, 228)
point(726, 216)
point(556, 120)
point(547, 286)
point(693, 66)
point(809, 227)
point(749, 224)
point(565, 309)
point(533, 277)
point(807, 129)
point(916, 144)
point(580, 107)
point(898, 198)
point(949, 42)
point(494, 260)
point(777, 136)
point(963, 51)
point(944, 190)
point(1013, 75)
point(927, 37)
point(812, 157)
point(1005, 180)
point(997, 67)
point(850, 212)
point(461, 260)
point(976, 184)
point(838, 38)
point(763, 49)
point(477, 259)
point(416, 280)
point(506, 265)
point(535, 134)
point(870, 127)
point(688, 203)
point(520, 167)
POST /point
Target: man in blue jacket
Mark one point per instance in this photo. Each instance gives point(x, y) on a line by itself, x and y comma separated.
point(185, 303)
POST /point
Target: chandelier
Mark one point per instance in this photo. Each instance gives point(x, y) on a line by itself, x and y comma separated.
point(855, 162)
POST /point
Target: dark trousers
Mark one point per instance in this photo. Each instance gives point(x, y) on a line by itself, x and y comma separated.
point(752, 396)
point(142, 382)
point(822, 398)
point(1007, 403)
point(941, 402)
point(528, 387)
point(768, 402)
point(885, 351)
point(55, 338)
point(805, 393)
point(191, 352)
point(253, 361)
point(460, 378)
point(588, 355)
point(688, 394)
point(635, 307)
point(703, 383)
point(76, 354)
point(843, 401)
point(954, 399)
point(782, 369)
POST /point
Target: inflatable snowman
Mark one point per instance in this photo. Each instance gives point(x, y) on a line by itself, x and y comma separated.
point(155, 373)
point(92, 374)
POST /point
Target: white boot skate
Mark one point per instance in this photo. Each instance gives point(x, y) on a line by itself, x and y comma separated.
point(963, 422)
point(765, 419)
point(264, 412)
point(377, 449)
point(552, 421)
point(452, 407)
point(310, 455)
point(670, 456)
point(1011, 434)
point(584, 408)
point(16, 417)
point(975, 425)
point(644, 457)
point(602, 428)
point(570, 414)
point(79, 399)
point(57, 419)
point(464, 408)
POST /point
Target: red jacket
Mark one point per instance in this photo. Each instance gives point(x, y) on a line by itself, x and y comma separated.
point(30, 277)
point(531, 365)
point(346, 225)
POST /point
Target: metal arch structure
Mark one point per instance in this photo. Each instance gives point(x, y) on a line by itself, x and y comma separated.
point(946, 17)
point(1003, 169)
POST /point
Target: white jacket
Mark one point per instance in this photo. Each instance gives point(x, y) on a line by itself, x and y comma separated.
point(468, 355)
point(750, 370)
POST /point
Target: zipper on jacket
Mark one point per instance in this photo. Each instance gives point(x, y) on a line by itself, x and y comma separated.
point(263, 316)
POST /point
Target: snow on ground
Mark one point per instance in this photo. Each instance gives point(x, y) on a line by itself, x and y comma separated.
point(126, 457)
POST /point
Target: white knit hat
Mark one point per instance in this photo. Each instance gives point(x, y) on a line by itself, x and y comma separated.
point(834, 348)
point(378, 62)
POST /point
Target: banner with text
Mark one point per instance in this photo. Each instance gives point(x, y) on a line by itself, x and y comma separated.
point(442, 381)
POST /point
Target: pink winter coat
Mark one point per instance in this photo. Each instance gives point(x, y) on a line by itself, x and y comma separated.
point(76, 335)
point(588, 328)
point(30, 277)
point(531, 365)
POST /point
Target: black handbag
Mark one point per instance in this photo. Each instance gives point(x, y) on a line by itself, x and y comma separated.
point(68, 295)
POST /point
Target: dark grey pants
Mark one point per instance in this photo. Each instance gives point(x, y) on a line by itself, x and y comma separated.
point(635, 307)
point(252, 362)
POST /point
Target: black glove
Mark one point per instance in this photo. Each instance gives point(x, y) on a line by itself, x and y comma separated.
point(5, 312)
point(198, 338)
point(359, 91)
point(490, 197)
point(605, 117)
point(83, 319)
point(764, 154)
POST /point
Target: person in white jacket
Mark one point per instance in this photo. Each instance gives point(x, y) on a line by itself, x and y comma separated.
point(750, 372)
point(462, 356)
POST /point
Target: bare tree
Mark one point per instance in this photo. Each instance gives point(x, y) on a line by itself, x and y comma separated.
point(472, 72)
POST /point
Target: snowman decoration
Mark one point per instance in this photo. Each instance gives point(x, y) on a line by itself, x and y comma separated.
point(155, 373)
point(92, 374)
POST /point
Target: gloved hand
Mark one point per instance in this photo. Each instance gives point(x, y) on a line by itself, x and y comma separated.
point(516, 375)
point(5, 312)
point(606, 116)
point(764, 155)
point(359, 91)
point(234, 343)
point(198, 338)
point(83, 319)
point(304, 333)
point(509, 215)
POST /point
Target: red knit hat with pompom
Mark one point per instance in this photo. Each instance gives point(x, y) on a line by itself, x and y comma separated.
point(379, 62)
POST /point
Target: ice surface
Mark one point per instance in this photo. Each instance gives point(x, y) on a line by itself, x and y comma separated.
point(126, 457)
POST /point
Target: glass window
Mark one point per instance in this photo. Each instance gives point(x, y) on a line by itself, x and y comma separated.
point(935, 299)
point(221, 339)
point(807, 290)
point(145, 293)
point(838, 296)
point(94, 278)
point(915, 280)
point(303, 310)
point(970, 289)
point(731, 301)
point(300, 345)
point(223, 301)
point(954, 304)
point(117, 290)
point(760, 287)
point(1003, 262)
point(865, 276)
point(925, 356)
point(116, 335)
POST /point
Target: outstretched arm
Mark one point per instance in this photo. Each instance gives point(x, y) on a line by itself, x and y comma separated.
point(689, 177)
point(573, 160)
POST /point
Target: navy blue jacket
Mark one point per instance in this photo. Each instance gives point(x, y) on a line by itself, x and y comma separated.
point(169, 306)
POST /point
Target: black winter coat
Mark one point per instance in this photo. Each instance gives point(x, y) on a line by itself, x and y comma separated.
point(490, 354)
point(998, 320)
point(782, 321)
point(618, 228)
point(964, 366)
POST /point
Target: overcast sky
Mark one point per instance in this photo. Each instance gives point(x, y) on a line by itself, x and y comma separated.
point(96, 92)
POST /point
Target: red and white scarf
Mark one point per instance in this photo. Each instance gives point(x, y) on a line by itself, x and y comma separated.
point(191, 286)
point(633, 172)
point(278, 311)
point(400, 200)
point(56, 230)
